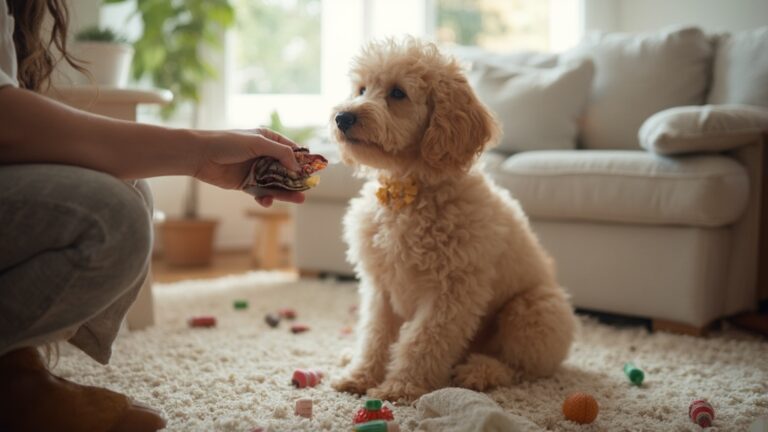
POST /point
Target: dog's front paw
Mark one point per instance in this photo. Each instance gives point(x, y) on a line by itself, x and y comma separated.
point(357, 382)
point(396, 390)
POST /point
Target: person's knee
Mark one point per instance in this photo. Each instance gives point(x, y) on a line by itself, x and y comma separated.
point(119, 243)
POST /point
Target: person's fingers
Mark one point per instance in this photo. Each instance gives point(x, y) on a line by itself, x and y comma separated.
point(276, 194)
point(289, 196)
point(277, 137)
point(265, 201)
point(281, 152)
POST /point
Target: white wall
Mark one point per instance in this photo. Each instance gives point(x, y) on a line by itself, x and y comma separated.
point(640, 15)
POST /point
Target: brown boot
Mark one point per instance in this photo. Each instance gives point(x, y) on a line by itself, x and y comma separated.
point(33, 399)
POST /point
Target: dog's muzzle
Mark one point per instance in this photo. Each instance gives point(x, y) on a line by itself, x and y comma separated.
point(345, 120)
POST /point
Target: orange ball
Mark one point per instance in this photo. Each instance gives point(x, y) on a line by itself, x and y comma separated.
point(580, 408)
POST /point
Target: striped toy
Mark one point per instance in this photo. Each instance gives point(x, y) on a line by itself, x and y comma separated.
point(306, 377)
point(701, 413)
point(377, 426)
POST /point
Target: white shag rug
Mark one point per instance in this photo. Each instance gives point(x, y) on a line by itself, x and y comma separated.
point(236, 377)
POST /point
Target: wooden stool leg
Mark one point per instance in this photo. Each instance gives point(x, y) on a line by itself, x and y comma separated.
point(256, 247)
point(270, 245)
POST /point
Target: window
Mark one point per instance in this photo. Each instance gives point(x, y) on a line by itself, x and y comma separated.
point(292, 56)
point(498, 25)
point(508, 25)
point(277, 47)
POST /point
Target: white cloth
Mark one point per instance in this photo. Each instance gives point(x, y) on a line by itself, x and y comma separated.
point(8, 65)
point(461, 410)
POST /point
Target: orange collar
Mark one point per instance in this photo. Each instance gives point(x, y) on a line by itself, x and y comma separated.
point(396, 193)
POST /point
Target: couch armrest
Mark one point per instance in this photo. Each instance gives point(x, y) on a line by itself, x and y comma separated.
point(702, 129)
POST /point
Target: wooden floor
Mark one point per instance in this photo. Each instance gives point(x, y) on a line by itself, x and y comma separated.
point(224, 263)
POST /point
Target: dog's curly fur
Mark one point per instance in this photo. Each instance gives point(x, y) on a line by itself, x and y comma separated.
point(455, 287)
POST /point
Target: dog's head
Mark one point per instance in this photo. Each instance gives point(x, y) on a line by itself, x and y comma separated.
point(411, 111)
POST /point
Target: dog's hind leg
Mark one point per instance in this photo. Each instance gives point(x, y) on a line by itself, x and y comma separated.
point(535, 331)
point(481, 372)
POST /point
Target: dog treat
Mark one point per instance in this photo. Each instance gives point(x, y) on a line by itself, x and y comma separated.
point(272, 320)
point(377, 426)
point(287, 313)
point(580, 408)
point(373, 410)
point(240, 304)
point(306, 377)
point(303, 408)
point(634, 373)
point(268, 173)
point(299, 328)
point(701, 413)
point(202, 321)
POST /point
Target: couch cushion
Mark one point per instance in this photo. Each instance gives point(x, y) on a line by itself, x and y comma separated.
point(627, 186)
point(538, 108)
point(740, 74)
point(637, 75)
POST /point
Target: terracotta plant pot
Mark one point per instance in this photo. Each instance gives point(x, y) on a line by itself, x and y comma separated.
point(188, 242)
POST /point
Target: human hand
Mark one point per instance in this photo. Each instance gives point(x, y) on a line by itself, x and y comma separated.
point(227, 156)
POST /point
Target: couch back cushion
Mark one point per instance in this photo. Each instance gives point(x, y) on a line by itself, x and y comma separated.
point(637, 75)
point(740, 73)
point(538, 108)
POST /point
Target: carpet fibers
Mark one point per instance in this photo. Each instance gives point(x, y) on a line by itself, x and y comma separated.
point(236, 376)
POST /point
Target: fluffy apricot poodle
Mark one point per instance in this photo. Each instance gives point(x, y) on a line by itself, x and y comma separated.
point(455, 287)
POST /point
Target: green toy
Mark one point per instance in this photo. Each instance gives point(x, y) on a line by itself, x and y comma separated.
point(634, 373)
point(241, 304)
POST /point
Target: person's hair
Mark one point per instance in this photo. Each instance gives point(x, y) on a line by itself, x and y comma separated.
point(34, 50)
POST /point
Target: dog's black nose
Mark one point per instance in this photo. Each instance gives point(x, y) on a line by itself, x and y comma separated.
point(345, 120)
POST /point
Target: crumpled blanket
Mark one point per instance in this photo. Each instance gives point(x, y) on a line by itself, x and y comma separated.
point(461, 410)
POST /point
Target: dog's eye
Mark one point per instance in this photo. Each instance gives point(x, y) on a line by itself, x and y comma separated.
point(361, 91)
point(397, 93)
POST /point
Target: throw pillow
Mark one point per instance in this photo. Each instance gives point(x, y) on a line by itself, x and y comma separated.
point(708, 128)
point(741, 69)
point(638, 75)
point(538, 108)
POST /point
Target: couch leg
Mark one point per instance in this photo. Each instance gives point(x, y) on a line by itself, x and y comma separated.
point(680, 328)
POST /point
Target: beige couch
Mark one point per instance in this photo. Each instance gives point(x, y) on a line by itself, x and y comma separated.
point(638, 159)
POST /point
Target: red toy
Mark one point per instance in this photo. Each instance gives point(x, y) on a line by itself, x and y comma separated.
point(287, 313)
point(299, 328)
point(701, 413)
point(202, 321)
point(373, 410)
point(306, 377)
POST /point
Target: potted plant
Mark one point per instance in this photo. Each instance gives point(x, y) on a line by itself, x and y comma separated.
point(106, 54)
point(169, 54)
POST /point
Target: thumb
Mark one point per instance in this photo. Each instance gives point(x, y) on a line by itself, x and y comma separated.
point(281, 152)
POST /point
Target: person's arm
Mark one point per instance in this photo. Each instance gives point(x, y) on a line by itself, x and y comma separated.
point(35, 129)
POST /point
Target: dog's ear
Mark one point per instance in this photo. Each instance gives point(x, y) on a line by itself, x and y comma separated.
point(460, 126)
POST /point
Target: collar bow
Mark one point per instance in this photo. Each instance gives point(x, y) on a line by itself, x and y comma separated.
point(396, 193)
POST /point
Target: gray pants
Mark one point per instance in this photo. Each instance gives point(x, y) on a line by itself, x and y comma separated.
point(74, 251)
